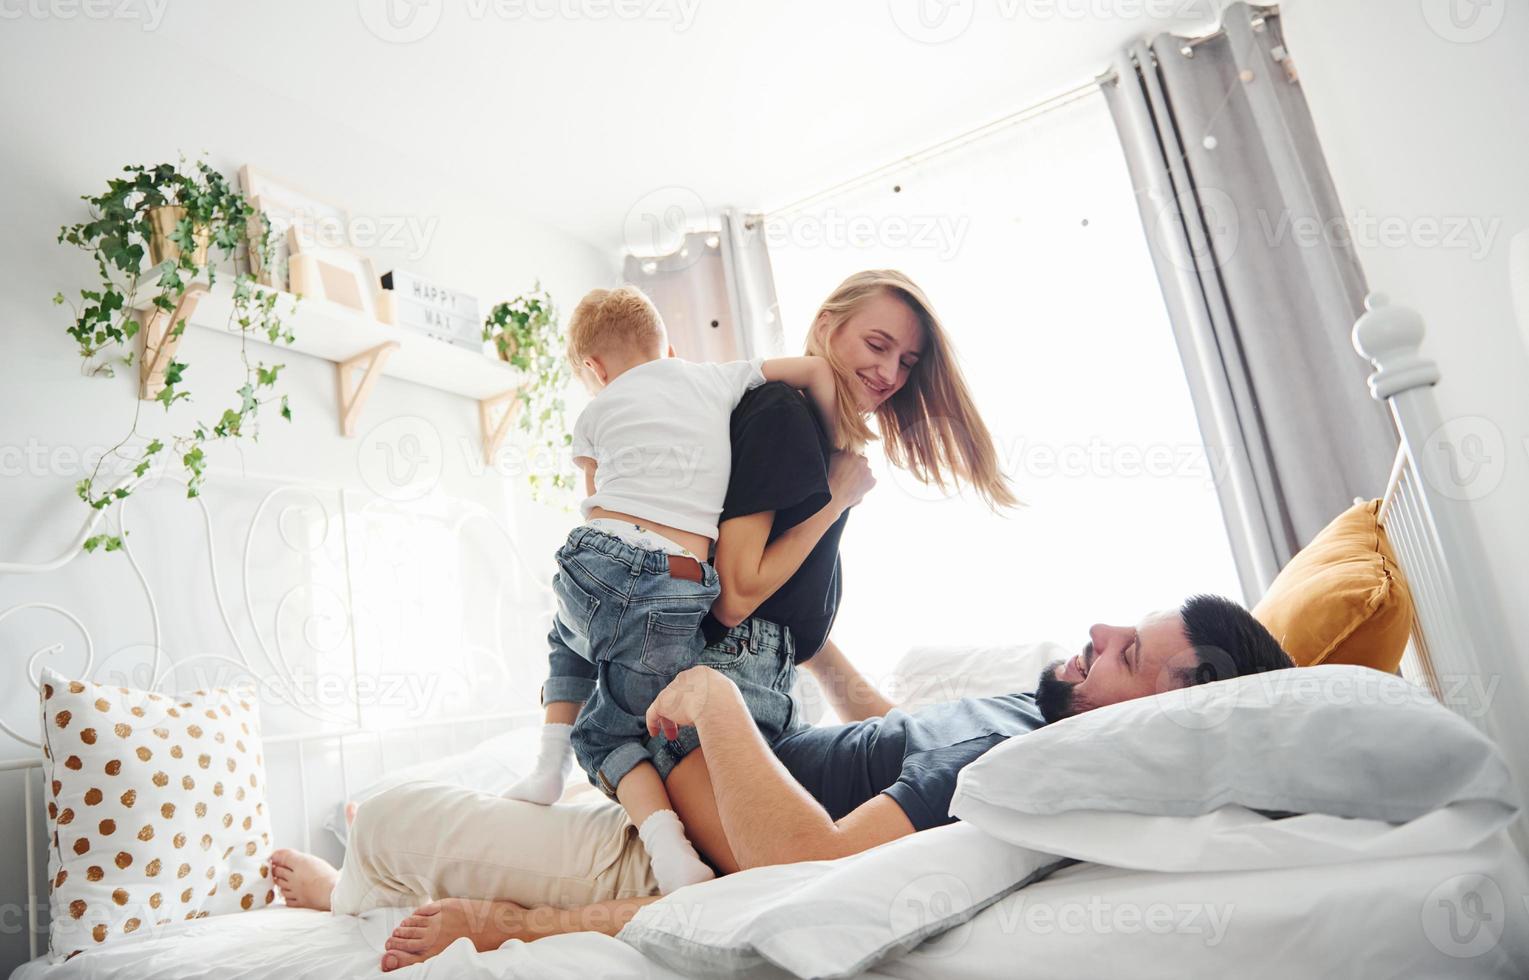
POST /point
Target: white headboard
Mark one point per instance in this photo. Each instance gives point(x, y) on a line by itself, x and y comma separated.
point(378, 633)
point(1462, 648)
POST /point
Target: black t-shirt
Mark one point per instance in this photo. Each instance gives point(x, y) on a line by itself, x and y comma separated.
point(780, 463)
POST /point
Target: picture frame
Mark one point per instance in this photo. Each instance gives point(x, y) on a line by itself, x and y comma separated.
point(316, 222)
point(339, 275)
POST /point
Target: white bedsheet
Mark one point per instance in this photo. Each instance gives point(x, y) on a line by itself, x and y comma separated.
point(300, 944)
point(1387, 917)
point(1397, 917)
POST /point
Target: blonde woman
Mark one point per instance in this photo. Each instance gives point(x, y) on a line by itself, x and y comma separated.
point(777, 555)
point(788, 500)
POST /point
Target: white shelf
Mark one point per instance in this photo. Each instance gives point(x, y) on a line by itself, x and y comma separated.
point(327, 330)
point(351, 340)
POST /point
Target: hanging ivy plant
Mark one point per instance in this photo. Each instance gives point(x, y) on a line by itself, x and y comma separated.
point(526, 333)
point(175, 216)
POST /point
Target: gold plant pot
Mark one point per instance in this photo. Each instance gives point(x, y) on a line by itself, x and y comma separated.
point(162, 222)
point(505, 346)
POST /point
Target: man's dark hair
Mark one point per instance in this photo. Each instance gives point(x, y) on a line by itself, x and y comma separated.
point(1228, 641)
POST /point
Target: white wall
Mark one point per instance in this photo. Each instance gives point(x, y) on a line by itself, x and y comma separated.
point(1425, 129)
point(85, 98)
point(1422, 120)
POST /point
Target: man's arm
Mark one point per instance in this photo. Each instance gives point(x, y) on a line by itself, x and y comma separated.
point(767, 815)
point(853, 697)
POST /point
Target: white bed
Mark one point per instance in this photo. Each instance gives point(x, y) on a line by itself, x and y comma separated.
point(1381, 917)
point(1368, 918)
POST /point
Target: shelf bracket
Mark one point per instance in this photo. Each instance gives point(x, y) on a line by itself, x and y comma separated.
point(352, 395)
point(162, 334)
point(495, 432)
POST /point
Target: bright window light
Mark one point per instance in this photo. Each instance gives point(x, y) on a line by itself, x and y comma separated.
point(1030, 246)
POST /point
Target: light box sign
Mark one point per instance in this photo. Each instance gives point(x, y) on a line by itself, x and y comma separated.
point(445, 314)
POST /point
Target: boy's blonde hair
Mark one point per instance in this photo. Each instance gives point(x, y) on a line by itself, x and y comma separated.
point(615, 320)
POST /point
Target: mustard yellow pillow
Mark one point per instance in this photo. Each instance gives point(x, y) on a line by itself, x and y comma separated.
point(1342, 598)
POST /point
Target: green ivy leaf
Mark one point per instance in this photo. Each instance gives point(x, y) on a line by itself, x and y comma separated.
point(168, 396)
point(116, 236)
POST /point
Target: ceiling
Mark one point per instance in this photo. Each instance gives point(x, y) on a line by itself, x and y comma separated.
point(577, 111)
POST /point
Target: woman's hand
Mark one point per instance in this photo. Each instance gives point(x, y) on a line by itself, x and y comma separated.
point(849, 479)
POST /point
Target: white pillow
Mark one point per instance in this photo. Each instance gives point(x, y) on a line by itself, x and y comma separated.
point(934, 674)
point(156, 810)
point(491, 766)
point(1342, 740)
point(834, 918)
point(1234, 838)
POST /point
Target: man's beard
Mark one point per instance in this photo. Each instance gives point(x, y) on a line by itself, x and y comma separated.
point(1055, 697)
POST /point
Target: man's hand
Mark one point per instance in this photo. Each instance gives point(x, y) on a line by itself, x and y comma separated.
point(766, 814)
point(686, 698)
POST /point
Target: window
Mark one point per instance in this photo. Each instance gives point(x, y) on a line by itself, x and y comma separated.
point(1029, 244)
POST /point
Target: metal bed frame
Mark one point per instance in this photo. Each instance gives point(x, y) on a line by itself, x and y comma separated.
point(320, 725)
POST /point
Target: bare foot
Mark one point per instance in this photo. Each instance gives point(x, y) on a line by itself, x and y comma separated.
point(350, 812)
point(434, 926)
point(305, 880)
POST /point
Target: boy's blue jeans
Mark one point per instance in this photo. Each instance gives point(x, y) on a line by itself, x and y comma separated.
point(758, 656)
point(625, 626)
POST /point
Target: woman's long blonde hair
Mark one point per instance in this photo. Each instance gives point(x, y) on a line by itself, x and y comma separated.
point(930, 426)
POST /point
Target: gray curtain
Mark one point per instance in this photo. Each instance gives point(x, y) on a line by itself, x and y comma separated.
point(1260, 277)
point(716, 292)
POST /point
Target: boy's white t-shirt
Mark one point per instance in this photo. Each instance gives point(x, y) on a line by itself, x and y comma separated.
point(659, 435)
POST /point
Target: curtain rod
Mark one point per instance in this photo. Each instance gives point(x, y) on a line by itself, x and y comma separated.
point(945, 146)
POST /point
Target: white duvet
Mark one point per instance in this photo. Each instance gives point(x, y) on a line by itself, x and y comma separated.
point(1448, 913)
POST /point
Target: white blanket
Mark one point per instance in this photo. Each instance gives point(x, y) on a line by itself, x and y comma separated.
point(835, 918)
point(1450, 913)
point(1332, 895)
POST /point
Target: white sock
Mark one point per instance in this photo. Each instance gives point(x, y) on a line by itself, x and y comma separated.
point(675, 862)
point(545, 783)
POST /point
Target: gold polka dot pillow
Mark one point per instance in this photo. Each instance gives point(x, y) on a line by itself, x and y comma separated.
point(156, 810)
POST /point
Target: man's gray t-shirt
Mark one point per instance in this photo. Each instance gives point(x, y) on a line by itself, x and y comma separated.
point(913, 758)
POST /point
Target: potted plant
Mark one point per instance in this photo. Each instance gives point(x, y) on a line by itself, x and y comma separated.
point(174, 215)
point(164, 221)
point(526, 333)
